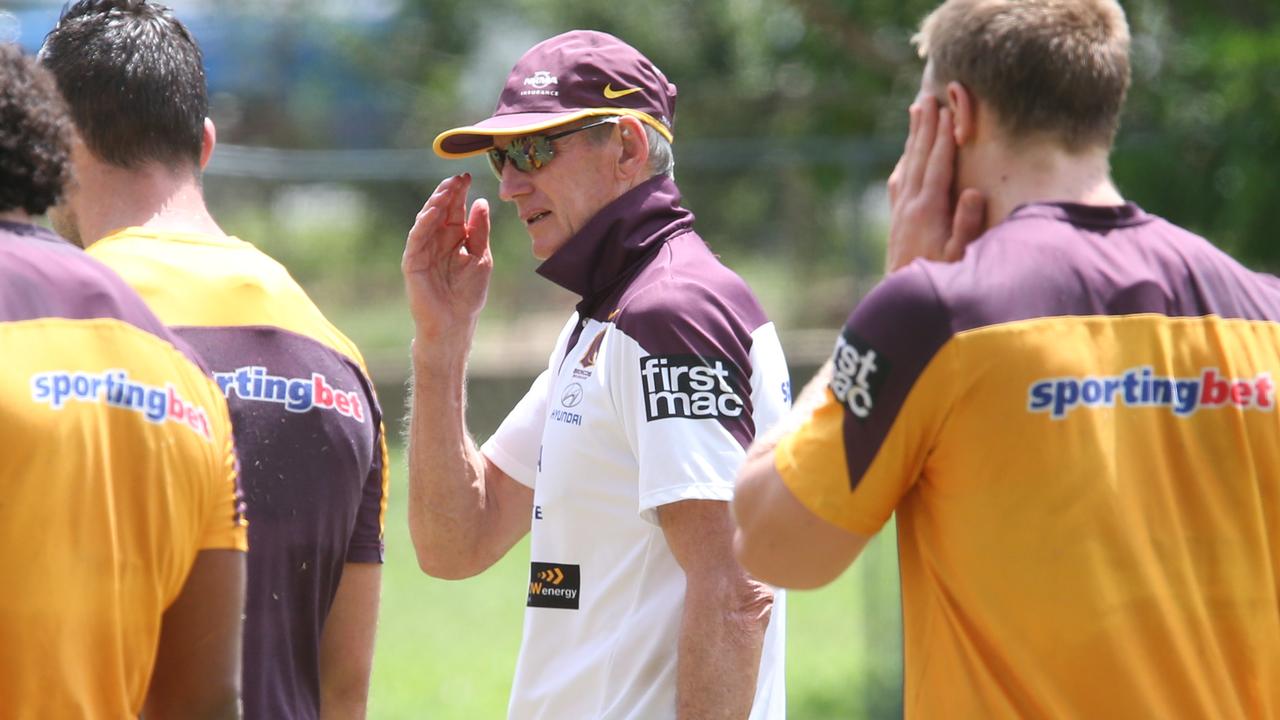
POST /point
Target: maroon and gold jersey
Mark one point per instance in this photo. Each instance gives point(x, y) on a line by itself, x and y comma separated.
point(308, 431)
point(117, 469)
point(1077, 428)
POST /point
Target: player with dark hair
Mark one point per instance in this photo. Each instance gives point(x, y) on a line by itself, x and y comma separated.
point(1074, 421)
point(307, 425)
point(120, 525)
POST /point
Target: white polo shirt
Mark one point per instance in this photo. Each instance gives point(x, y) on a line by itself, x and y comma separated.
point(651, 396)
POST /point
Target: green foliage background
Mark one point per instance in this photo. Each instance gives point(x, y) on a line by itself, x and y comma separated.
point(790, 116)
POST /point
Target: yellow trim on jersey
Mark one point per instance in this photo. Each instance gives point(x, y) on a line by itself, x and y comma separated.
point(535, 127)
point(251, 288)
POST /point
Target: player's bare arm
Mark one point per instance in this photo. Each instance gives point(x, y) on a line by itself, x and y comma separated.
point(776, 535)
point(346, 644)
point(197, 670)
point(726, 613)
point(927, 218)
point(464, 513)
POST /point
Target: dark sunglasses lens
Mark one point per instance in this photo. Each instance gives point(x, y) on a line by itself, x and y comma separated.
point(520, 153)
point(496, 161)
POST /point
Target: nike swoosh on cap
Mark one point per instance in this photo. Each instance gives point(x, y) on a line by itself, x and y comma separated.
point(612, 94)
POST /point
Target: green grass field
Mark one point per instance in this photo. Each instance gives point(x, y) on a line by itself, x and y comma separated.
point(446, 650)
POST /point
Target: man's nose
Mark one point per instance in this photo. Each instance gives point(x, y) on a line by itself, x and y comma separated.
point(513, 183)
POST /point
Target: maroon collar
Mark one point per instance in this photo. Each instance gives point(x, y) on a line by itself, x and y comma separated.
point(1090, 216)
point(615, 242)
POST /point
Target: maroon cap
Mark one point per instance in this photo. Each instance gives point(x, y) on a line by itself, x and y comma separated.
point(581, 73)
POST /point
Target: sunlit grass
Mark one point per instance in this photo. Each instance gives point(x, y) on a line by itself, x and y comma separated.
point(446, 650)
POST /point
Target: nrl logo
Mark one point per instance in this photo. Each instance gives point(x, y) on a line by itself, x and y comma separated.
point(541, 79)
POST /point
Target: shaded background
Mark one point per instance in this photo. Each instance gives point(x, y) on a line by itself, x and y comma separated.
point(789, 118)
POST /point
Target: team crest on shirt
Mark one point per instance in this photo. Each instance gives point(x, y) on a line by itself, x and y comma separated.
point(588, 361)
point(858, 371)
point(690, 386)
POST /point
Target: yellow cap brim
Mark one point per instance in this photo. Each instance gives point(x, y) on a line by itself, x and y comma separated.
point(474, 139)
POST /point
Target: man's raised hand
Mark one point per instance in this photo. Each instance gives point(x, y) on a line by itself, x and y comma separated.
point(923, 220)
point(447, 263)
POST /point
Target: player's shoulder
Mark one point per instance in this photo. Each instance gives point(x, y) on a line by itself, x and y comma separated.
point(298, 312)
point(202, 280)
point(686, 285)
point(44, 276)
point(908, 298)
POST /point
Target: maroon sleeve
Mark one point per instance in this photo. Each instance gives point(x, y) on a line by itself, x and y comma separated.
point(367, 544)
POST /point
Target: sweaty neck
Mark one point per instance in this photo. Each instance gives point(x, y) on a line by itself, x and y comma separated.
point(154, 196)
point(1042, 172)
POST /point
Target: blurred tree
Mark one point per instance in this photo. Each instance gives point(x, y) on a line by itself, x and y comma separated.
point(790, 115)
point(1201, 142)
point(789, 111)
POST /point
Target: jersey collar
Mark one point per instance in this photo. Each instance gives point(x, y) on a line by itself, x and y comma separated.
point(33, 231)
point(1092, 216)
point(617, 239)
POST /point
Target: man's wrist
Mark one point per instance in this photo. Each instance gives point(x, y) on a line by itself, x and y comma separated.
point(439, 355)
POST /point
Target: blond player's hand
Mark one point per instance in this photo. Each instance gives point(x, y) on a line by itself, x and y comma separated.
point(924, 222)
point(447, 263)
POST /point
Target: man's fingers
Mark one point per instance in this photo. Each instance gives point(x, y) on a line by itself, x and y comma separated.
point(918, 160)
point(967, 225)
point(895, 183)
point(458, 199)
point(909, 153)
point(426, 226)
point(442, 194)
point(941, 165)
point(477, 235)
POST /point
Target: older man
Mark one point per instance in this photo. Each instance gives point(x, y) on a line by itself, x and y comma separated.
point(1075, 423)
point(622, 455)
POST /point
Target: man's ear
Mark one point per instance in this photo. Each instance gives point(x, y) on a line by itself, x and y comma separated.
point(964, 112)
point(633, 156)
point(208, 139)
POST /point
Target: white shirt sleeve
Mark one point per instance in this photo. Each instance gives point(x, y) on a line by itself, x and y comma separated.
point(691, 455)
point(516, 444)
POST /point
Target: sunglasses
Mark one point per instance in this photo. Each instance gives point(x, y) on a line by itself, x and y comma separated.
point(532, 152)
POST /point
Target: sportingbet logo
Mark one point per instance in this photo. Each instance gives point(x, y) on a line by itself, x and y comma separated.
point(1139, 387)
point(298, 395)
point(857, 373)
point(114, 388)
point(689, 386)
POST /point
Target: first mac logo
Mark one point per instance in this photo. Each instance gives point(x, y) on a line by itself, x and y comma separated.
point(690, 386)
point(857, 373)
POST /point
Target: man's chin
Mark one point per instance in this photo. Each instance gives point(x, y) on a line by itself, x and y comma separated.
point(543, 246)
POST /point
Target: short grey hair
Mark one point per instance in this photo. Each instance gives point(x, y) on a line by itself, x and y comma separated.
point(661, 159)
